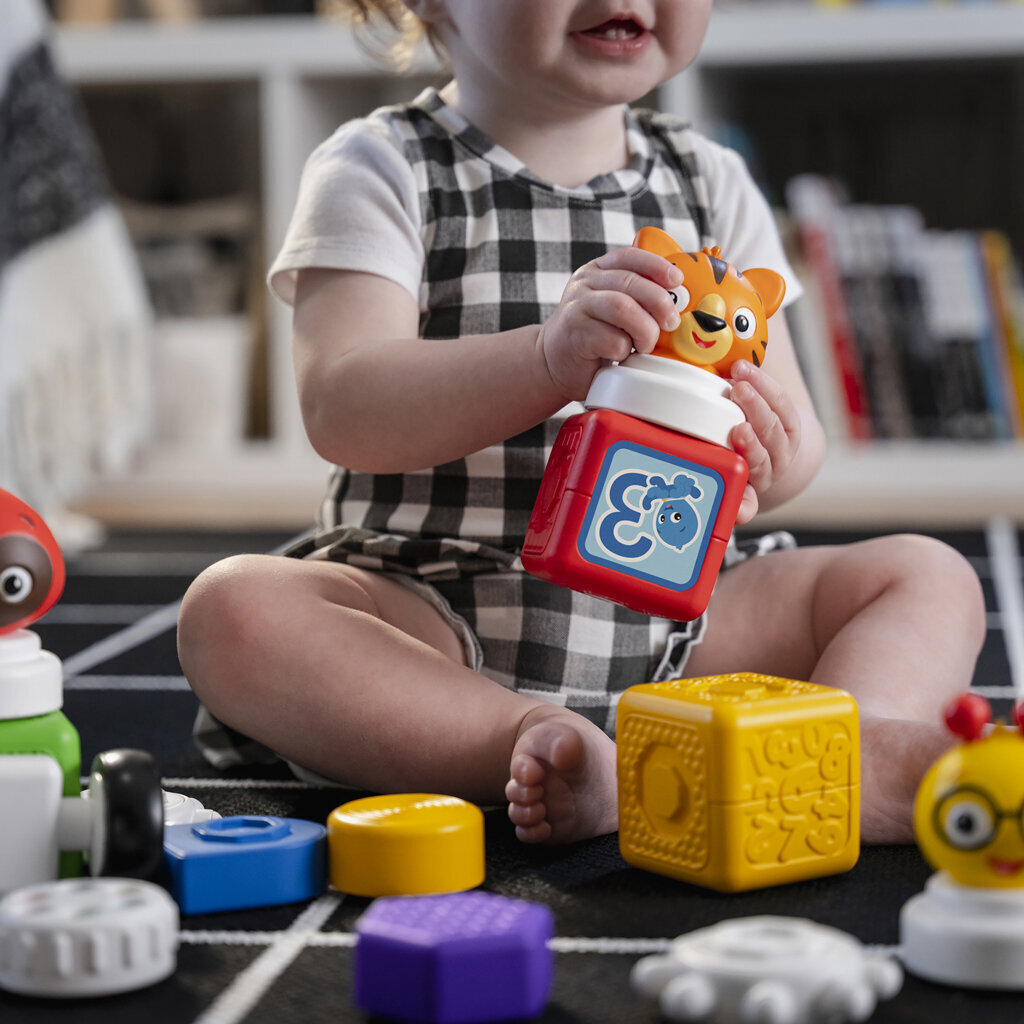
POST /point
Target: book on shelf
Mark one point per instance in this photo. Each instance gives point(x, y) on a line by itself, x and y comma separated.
point(805, 319)
point(1005, 284)
point(956, 323)
point(812, 201)
point(922, 330)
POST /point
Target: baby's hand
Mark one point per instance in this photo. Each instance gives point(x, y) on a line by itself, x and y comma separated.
point(611, 306)
point(771, 435)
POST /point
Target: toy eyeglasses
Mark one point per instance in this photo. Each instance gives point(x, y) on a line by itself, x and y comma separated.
point(967, 818)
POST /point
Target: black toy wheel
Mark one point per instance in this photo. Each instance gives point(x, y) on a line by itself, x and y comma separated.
point(127, 815)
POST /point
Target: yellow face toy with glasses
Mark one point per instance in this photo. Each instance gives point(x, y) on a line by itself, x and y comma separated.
point(969, 809)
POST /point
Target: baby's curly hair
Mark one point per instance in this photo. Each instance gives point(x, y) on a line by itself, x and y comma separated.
point(387, 29)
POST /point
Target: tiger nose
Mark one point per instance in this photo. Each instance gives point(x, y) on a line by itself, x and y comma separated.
point(707, 322)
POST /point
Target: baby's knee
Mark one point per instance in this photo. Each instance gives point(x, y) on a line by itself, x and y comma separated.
point(222, 611)
point(944, 577)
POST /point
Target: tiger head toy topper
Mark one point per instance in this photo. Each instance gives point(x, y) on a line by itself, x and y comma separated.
point(723, 311)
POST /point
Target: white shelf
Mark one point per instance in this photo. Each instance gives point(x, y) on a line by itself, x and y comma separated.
point(212, 49)
point(310, 75)
point(891, 484)
point(762, 34)
point(747, 35)
point(931, 484)
point(255, 485)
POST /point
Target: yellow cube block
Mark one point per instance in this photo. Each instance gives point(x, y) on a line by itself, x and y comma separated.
point(739, 782)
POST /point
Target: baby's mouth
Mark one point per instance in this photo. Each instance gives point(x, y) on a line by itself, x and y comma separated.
point(615, 29)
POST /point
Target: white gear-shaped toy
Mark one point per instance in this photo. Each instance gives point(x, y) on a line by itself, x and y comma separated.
point(86, 937)
point(768, 970)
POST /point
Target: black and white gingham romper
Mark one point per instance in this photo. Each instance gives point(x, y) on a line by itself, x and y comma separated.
point(500, 246)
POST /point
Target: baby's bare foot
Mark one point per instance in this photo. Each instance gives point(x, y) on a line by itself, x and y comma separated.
point(562, 786)
point(895, 754)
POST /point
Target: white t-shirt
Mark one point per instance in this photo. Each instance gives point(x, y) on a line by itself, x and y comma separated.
point(359, 207)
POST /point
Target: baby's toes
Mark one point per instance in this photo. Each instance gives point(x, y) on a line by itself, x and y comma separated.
point(539, 833)
point(527, 815)
point(517, 793)
point(526, 770)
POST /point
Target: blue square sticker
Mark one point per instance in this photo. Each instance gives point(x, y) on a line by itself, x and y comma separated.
point(651, 515)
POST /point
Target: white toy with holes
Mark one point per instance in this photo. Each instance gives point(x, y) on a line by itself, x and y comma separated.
point(768, 970)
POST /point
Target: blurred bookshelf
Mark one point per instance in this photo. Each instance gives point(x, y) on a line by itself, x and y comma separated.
point(906, 121)
point(904, 105)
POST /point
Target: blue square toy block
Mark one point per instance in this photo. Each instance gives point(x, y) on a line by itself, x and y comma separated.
point(245, 861)
point(453, 958)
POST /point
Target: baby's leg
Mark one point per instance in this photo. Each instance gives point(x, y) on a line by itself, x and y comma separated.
point(896, 621)
point(358, 678)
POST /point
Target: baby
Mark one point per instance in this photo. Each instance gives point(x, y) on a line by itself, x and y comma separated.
point(460, 268)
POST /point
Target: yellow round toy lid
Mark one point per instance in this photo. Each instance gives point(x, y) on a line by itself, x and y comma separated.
point(405, 844)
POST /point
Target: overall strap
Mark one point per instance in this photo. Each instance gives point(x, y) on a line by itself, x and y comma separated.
point(674, 138)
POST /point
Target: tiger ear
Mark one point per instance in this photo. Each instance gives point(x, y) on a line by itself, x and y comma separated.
point(771, 287)
point(657, 241)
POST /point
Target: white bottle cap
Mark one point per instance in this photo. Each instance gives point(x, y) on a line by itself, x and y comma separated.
point(31, 679)
point(86, 937)
point(670, 393)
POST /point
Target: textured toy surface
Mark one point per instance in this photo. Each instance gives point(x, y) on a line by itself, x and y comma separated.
point(779, 969)
point(967, 927)
point(245, 861)
point(405, 844)
point(738, 782)
point(723, 312)
point(470, 956)
point(635, 513)
point(86, 937)
point(31, 565)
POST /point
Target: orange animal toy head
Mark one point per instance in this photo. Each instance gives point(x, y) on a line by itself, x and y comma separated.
point(724, 311)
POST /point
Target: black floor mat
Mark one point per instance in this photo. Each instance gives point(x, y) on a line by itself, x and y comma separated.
point(236, 966)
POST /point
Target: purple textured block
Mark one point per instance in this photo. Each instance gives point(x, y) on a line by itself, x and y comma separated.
point(454, 958)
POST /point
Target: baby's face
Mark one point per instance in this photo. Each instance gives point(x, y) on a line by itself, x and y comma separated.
point(565, 54)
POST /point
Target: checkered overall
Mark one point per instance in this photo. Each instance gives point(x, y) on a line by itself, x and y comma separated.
point(501, 245)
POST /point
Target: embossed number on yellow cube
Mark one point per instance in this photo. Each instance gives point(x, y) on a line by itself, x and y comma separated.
point(739, 782)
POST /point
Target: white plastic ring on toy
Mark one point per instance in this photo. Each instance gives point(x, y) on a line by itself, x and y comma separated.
point(185, 810)
point(768, 969)
point(86, 937)
point(964, 935)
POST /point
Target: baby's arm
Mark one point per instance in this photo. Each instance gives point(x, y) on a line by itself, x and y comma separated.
point(377, 398)
point(782, 439)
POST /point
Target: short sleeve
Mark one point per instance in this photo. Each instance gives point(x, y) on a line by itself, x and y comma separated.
point(357, 209)
point(741, 218)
